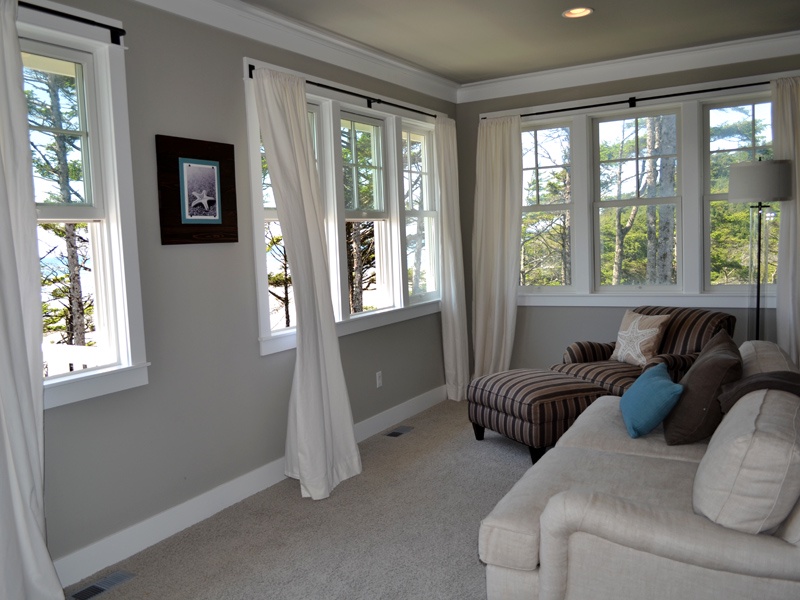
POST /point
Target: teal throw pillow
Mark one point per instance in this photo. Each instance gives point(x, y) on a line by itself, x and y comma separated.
point(649, 400)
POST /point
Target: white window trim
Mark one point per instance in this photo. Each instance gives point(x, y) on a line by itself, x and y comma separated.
point(694, 214)
point(279, 341)
point(115, 178)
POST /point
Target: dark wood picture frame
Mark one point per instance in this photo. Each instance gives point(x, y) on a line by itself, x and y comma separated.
point(205, 216)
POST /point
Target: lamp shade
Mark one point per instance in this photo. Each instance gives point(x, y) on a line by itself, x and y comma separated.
point(762, 181)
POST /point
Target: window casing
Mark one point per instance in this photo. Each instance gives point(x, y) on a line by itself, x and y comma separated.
point(78, 123)
point(381, 218)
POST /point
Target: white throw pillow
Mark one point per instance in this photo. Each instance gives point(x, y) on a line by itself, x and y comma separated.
point(749, 477)
point(639, 337)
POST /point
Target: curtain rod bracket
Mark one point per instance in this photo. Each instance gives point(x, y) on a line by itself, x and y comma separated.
point(632, 102)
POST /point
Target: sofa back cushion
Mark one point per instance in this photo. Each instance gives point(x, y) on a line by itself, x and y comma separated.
point(689, 329)
point(749, 478)
point(764, 357)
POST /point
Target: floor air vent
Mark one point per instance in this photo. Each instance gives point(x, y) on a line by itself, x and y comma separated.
point(399, 431)
point(103, 585)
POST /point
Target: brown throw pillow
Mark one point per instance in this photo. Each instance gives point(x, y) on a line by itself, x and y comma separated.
point(698, 412)
point(639, 337)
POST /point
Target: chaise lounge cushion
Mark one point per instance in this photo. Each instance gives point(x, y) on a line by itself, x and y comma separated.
point(698, 412)
point(749, 478)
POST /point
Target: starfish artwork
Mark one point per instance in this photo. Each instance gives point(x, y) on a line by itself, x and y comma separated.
point(202, 198)
point(629, 341)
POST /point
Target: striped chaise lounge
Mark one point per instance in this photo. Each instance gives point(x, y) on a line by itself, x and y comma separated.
point(536, 406)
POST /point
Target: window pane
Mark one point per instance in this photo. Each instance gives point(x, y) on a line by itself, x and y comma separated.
point(658, 177)
point(419, 255)
point(554, 186)
point(360, 146)
point(553, 147)
point(57, 135)
point(415, 175)
point(637, 245)
point(367, 264)
point(281, 295)
point(529, 186)
point(618, 180)
point(74, 339)
point(545, 248)
point(617, 139)
point(721, 167)
point(730, 127)
point(734, 236)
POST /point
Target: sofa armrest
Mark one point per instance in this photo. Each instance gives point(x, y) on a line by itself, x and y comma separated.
point(677, 364)
point(584, 352)
point(676, 536)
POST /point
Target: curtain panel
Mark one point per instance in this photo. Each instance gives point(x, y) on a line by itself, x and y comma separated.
point(321, 449)
point(454, 311)
point(496, 242)
point(26, 570)
point(786, 145)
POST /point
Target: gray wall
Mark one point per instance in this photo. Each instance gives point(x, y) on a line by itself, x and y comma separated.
point(214, 408)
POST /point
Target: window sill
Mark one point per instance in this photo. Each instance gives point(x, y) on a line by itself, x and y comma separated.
point(287, 340)
point(716, 299)
point(63, 390)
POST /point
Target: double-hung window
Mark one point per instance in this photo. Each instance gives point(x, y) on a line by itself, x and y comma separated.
point(381, 219)
point(737, 131)
point(637, 200)
point(546, 207)
point(90, 296)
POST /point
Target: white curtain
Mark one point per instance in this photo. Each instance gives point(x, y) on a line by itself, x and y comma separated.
point(496, 242)
point(321, 449)
point(26, 570)
point(454, 311)
point(786, 145)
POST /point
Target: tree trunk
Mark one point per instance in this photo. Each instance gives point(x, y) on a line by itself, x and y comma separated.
point(355, 267)
point(76, 316)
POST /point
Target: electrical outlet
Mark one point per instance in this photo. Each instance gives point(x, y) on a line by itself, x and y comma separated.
point(378, 379)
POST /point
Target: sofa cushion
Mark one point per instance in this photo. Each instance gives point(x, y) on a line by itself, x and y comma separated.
point(749, 478)
point(639, 337)
point(697, 413)
point(763, 357)
point(509, 536)
point(601, 428)
point(651, 397)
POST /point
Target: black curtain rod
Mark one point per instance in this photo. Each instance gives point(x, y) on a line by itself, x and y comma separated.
point(116, 32)
point(631, 102)
point(370, 100)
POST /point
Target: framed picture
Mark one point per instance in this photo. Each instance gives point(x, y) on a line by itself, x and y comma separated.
point(196, 191)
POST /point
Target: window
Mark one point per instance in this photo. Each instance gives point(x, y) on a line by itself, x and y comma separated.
point(546, 201)
point(91, 302)
point(621, 204)
point(737, 132)
point(636, 200)
point(381, 219)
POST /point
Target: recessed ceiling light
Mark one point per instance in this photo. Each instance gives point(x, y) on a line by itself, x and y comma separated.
point(577, 13)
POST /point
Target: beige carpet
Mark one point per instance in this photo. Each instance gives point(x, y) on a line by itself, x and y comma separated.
point(407, 527)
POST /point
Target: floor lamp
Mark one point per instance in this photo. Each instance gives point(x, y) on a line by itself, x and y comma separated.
point(760, 182)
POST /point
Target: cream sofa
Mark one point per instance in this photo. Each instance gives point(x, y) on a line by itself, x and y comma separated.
point(605, 516)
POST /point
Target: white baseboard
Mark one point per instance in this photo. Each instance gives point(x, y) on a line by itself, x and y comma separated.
point(127, 542)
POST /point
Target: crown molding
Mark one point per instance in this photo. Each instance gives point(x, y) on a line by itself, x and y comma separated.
point(712, 55)
point(243, 19)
